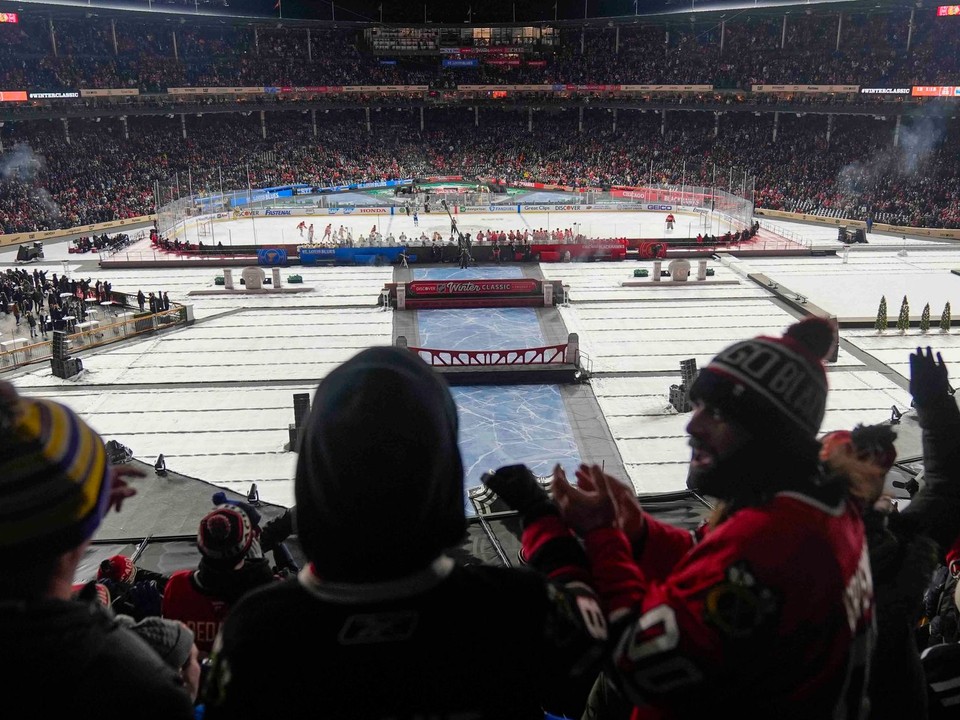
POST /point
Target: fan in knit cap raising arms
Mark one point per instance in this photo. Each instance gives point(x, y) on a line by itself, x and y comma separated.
point(766, 609)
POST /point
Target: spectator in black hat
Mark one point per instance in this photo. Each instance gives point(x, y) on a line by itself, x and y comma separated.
point(391, 624)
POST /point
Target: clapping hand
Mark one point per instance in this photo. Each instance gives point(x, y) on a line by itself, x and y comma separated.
point(928, 378)
point(629, 511)
point(588, 505)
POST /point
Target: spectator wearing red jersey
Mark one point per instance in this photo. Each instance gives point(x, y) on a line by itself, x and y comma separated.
point(231, 564)
point(768, 608)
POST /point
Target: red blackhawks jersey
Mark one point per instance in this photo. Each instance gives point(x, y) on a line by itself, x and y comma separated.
point(202, 613)
point(769, 614)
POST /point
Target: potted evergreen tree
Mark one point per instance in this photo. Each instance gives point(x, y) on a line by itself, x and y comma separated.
point(903, 321)
point(880, 324)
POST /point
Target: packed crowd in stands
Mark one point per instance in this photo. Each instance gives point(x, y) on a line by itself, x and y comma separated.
point(872, 51)
point(88, 172)
point(99, 175)
point(806, 592)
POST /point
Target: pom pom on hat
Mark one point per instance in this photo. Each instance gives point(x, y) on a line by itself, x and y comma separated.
point(815, 335)
point(225, 535)
point(220, 498)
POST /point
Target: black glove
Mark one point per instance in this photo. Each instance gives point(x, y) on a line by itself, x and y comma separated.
point(277, 530)
point(928, 378)
point(518, 488)
point(145, 599)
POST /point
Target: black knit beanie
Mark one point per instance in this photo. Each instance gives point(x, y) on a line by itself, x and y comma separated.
point(379, 481)
point(775, 387)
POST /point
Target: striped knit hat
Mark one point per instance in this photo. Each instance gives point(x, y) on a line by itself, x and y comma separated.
point(54, 476)
point(225, 535)
point(776, 387)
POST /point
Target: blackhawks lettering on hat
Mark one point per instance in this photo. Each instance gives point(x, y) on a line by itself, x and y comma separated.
point(776, 387)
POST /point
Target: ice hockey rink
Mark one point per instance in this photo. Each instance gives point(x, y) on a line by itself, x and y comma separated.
point(267, 230)
point(216, 397)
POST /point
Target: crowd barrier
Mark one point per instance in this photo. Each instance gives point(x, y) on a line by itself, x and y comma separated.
point(90, 334)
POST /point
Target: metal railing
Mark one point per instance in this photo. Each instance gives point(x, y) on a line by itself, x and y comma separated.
point(785, 233)
point(547, 355)
point(23, 351)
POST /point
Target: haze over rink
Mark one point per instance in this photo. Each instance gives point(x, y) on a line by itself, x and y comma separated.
point(143, 394)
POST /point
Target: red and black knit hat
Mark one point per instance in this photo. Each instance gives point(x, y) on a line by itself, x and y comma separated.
point(775, 387)
point(225, 535)
point(118, 568)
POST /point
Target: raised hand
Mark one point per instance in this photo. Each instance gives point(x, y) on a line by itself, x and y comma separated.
point(590, 504)
point(120, 490)
point(630, 517)
point(928, 377)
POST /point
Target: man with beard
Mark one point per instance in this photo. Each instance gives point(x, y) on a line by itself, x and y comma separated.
point(767, 610)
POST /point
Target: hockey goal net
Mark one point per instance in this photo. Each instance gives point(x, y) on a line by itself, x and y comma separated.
point(205, 228)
